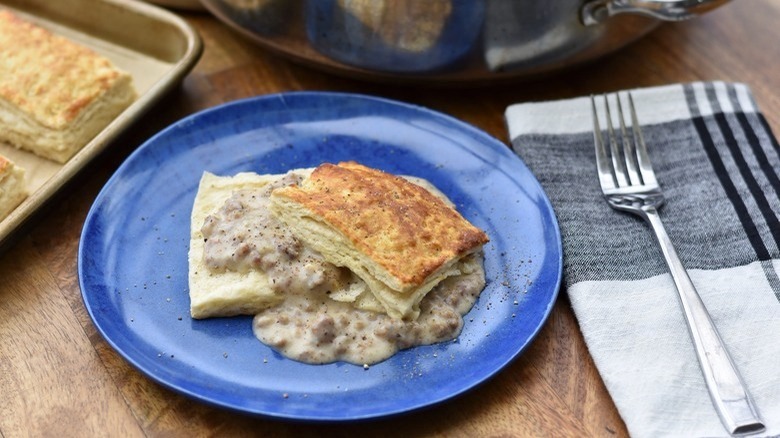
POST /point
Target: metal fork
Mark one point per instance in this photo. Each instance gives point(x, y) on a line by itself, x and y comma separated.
point(629, 184)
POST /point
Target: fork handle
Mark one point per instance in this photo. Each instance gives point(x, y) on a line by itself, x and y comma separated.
point(727, 390)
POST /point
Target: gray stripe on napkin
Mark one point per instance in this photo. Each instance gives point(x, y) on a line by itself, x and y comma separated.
point(699, 216)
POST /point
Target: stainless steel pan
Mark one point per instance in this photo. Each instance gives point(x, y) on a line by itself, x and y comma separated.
point(449, 40)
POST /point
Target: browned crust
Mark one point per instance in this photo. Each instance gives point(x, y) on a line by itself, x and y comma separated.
point(401, 226)
point(4, 164)
point(47, 76)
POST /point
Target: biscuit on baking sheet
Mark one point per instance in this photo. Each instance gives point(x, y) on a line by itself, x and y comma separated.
point(12, 188)
point(398, 237)
point(55, 95)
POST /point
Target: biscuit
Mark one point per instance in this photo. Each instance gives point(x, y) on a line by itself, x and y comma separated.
point(12, 189)
point(55, 95)
point(225, 293)
point(398, 237)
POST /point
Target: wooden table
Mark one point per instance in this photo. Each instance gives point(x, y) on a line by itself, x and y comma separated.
point(59, 376)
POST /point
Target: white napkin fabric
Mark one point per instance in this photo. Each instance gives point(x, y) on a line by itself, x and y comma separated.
point(718, 164)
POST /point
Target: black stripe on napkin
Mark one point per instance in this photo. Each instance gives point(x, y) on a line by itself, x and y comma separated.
point(755, 143)
point(742, 165)
point(724, 178)
point(768, 132)
point(727, 182)
point(731, 191)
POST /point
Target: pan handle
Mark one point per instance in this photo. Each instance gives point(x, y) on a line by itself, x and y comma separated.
point(597, 11)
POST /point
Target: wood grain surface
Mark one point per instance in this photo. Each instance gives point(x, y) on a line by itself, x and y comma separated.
point(58, 376)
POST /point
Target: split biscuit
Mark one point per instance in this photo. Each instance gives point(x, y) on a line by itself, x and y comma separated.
point(398, 237)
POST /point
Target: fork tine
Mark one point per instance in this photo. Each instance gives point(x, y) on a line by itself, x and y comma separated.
point(606, 178)
point(618, 165)
point(645, 166)
point(629, 150)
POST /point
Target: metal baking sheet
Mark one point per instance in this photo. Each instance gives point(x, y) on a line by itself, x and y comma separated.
point(155, 46)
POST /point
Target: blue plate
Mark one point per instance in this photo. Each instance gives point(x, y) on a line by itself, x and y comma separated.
point(133, 254)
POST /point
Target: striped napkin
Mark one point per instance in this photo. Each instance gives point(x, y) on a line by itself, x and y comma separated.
point(718, 164)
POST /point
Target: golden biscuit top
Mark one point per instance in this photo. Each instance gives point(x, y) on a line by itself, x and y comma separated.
point(399, 225)
point(47, 76)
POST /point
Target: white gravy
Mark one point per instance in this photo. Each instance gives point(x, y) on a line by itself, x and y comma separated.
point(308, 326)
